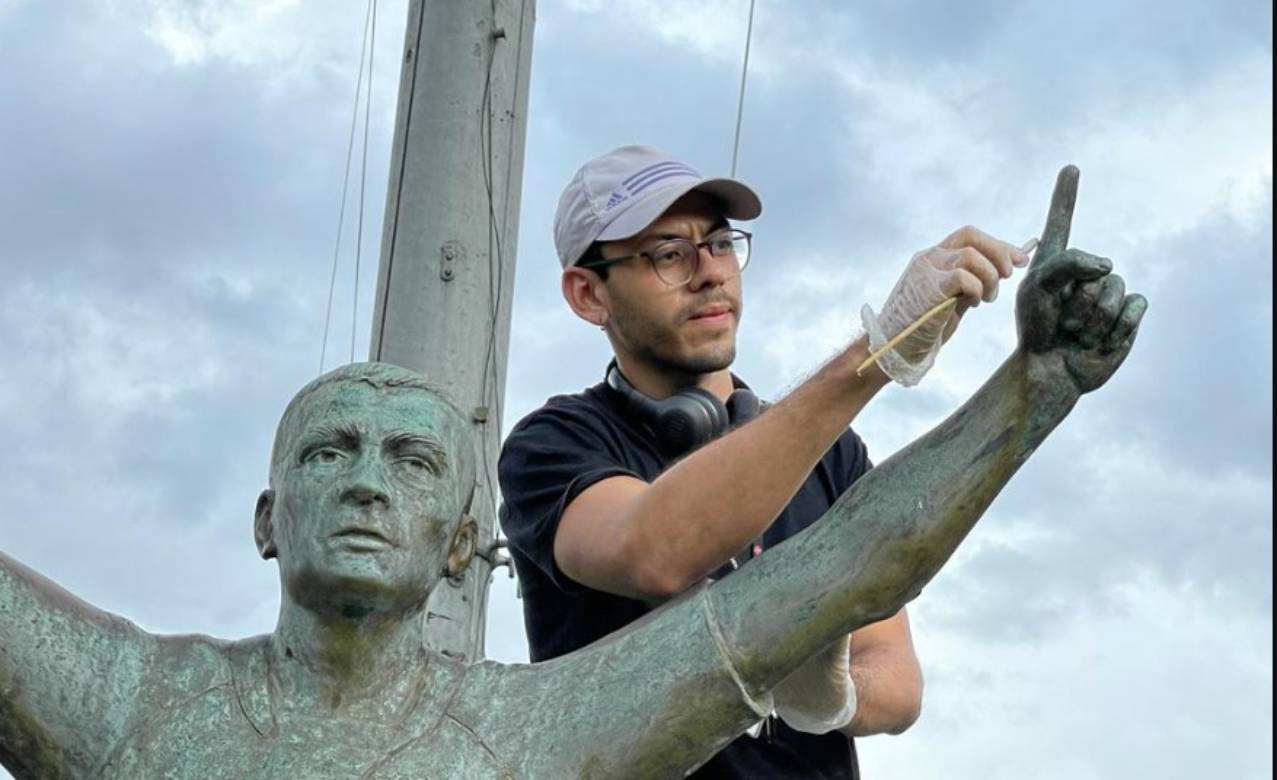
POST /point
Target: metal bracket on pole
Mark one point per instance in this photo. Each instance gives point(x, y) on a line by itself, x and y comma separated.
point(449, 254)
point(496, 558)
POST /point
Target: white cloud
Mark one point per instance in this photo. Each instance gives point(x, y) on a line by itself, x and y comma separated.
point(111, 359)
point(1152, 165)
point(713, 29)
point(242, 31)
point(288, 45)
point(8, 6)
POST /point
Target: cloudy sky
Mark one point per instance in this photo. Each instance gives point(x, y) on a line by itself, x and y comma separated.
point(170, 174)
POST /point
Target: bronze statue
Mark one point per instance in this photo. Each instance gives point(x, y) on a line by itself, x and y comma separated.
point(366, 513)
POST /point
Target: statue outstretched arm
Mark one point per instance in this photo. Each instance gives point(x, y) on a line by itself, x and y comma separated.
point(69, 674)
point(888, 535)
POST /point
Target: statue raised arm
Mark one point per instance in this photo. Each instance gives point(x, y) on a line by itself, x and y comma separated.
point(893, 530)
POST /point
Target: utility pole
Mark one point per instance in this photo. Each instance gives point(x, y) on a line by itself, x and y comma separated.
point(448, 245)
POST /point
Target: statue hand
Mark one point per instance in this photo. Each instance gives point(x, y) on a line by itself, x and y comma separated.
point(1071, 310)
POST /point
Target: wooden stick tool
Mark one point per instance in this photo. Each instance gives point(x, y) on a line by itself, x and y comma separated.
point(944, 306)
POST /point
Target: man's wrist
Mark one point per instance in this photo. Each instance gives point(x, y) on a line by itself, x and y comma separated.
point(845, 366)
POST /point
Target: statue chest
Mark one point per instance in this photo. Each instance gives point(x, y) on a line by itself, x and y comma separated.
point(212, 738)
point(232, 722)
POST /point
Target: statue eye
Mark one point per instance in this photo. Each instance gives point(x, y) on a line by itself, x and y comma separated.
point(419, 463)
point(326, 455)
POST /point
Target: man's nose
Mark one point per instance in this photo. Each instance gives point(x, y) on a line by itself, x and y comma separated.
point(711, 271)
point(367, 484)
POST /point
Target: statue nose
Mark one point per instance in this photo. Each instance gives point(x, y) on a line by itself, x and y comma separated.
point(363, 495)
point(367, 485)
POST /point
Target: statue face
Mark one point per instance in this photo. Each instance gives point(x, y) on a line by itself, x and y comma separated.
point(362, 515)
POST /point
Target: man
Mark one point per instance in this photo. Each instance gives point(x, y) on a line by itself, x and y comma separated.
point(622, 496)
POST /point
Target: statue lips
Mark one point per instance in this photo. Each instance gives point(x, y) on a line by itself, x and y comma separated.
point(361, 539)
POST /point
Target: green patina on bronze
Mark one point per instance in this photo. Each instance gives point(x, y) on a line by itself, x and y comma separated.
point(369, 481)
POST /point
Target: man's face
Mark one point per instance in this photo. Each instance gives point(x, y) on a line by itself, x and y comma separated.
point(367, 501)
point(687, 330)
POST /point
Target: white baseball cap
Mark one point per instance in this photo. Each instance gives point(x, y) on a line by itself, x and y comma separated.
point(617, 195)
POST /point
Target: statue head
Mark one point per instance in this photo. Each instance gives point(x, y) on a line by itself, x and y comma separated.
point(371, 477)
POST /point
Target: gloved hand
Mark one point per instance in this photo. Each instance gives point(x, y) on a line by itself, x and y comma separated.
point(819, 696)
point(968, 264)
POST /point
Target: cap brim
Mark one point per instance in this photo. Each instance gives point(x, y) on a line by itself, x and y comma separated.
point(738, 200)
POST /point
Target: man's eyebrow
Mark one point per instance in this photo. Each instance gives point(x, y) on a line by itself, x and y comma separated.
point(714, 227)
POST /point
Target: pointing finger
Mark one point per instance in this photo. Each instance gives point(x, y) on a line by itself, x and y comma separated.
point(1059, 218)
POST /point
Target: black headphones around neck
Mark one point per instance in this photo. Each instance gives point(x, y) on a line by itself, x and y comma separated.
point(690, 418)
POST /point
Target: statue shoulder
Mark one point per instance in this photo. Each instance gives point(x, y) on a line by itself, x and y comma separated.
point(197, 690)
point(194, 672)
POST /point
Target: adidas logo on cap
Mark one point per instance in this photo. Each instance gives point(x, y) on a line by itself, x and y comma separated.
point(616, 199)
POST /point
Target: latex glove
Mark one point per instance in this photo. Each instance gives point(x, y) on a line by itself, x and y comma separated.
point(968, 264)
point(819, 696)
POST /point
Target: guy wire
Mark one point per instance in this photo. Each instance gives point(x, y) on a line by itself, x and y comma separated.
point(345, 186)
point(363, 179)
point(744, 70)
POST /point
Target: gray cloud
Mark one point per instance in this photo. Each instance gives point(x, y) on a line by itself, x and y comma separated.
point(1202, 389)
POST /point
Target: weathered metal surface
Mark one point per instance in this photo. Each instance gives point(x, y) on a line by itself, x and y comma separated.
point(369, 481)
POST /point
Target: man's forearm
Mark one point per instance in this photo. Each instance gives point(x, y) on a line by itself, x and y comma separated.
point(888, 693)
point(711, 504)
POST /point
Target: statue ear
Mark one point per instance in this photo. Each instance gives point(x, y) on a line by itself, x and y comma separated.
point(264, 525)
point(465, 542)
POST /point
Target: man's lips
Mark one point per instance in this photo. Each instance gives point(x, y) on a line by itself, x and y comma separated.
point(716, 312)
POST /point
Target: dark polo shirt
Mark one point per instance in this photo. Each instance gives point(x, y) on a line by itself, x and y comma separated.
point(574, 441)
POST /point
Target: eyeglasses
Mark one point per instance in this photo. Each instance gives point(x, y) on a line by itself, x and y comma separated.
point(676, 260)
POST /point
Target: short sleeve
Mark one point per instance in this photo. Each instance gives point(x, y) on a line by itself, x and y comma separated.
point(548, 460)
point(848, 461)
point(861, 463)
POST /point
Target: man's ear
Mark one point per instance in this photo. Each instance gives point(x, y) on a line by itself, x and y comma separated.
point(586, 295)
point(264, 524)
point(465, 543)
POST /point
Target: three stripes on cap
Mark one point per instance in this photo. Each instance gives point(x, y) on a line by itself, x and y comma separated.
point(648, 176)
